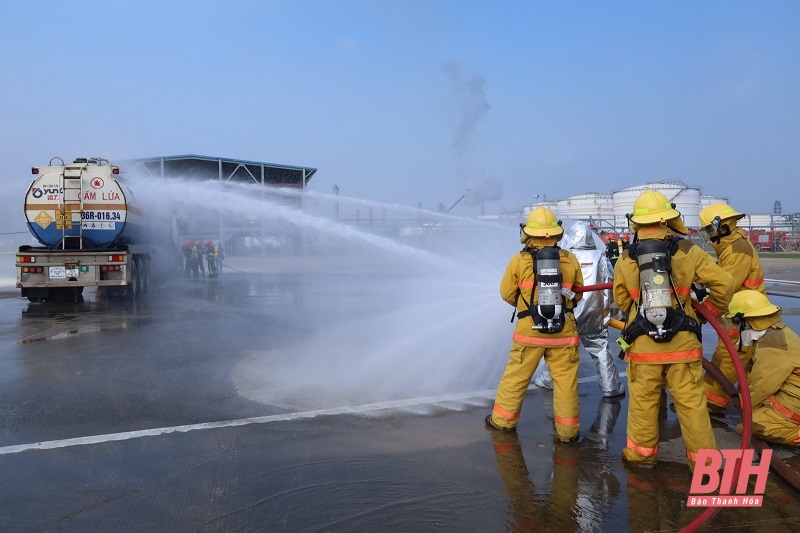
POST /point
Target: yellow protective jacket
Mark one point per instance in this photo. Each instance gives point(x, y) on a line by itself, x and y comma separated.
point(519, 282)
point(689, 264)
point(775, 376)
point(736, 255)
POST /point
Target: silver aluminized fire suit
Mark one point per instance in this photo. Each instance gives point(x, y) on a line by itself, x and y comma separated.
point(593, 311)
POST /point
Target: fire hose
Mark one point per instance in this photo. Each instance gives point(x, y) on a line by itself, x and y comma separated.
point(745, 407)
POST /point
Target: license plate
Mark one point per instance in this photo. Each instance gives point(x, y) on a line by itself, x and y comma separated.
point(63, 272)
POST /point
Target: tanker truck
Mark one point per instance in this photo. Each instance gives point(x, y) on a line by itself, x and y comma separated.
point(92, 234)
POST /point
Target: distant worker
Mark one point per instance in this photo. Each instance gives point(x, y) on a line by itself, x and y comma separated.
point(736, 255)
point(189, 261)
point(625, 241)
point(613, 249)
point(593, 311)
point(775, 375)
point(220, 256)
point(538, 282)
point(661, 340)
point(197, 252)
point(211, 258)
point(194, 263)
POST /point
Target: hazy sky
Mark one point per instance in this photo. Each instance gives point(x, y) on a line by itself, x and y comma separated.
point(417, 100)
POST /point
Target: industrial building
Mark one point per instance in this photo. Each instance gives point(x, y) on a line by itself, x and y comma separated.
point(240, 233)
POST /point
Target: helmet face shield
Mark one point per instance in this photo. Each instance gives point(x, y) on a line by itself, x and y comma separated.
point(710, 232)
point(706, 232)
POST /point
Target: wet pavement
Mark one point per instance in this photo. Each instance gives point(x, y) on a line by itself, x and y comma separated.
point(299, 394)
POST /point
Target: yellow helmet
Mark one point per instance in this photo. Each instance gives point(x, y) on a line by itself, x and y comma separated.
point(542, 223)
point(750, 303)
point(652, 207)
point(712, 218)
point(721, 210)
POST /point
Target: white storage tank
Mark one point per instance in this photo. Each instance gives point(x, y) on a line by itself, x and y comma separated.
point(685, 198)
point(549, 204)
point(756, 221)
point(585, 205)
point(706, 200)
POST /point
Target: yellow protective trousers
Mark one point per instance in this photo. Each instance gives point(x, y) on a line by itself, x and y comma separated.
point(522, 362)
point(774, 427)
point(685, 385)
point(721, 359)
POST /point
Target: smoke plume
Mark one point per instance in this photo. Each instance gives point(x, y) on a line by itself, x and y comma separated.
point(470, 101)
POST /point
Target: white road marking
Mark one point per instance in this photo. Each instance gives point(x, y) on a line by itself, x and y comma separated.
point(364, 408)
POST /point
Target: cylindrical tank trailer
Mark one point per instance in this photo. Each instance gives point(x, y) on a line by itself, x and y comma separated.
point(91, 234)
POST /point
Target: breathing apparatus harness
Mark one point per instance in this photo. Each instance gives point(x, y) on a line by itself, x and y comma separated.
point(657, 317)
point(549, 314)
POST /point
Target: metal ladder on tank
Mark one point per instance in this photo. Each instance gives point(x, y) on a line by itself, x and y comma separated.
point(72, 187)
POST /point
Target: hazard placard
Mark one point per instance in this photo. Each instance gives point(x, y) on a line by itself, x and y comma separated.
point(43, 219)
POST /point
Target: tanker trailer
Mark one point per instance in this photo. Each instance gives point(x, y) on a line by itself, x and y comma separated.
point(91, 232)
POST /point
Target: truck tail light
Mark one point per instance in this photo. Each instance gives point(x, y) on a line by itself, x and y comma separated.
point(33, 270)
point(116, 258)
point(26, 259)
point(34, 170)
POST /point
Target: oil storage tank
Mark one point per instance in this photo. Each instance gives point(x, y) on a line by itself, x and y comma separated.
point(685, 198)
point(549, 204)
point(707, 200)
point(585, 205)
point(756, 221)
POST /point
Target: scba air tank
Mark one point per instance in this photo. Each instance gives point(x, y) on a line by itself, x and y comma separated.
point(654, 283)
point(550, 306)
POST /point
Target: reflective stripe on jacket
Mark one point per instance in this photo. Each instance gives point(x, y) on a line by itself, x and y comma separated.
point(519, 282)
point(689, 264)
point(736, 255)
point(775, 376)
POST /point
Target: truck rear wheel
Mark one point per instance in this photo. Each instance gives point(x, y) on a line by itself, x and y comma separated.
point(757, 247)
point(135, 283)
point(144, 268)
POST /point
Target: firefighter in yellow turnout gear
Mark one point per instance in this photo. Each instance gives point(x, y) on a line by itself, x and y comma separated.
point(736, 255)
point(775, 376)
point(539, 283)
point(652, 285)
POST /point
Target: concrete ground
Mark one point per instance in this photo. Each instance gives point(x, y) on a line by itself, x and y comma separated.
point(317, 394)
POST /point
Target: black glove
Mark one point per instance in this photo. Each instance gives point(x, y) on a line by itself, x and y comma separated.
point(699, 292)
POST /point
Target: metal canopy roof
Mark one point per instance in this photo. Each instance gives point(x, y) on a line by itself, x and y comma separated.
point(202, 167)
